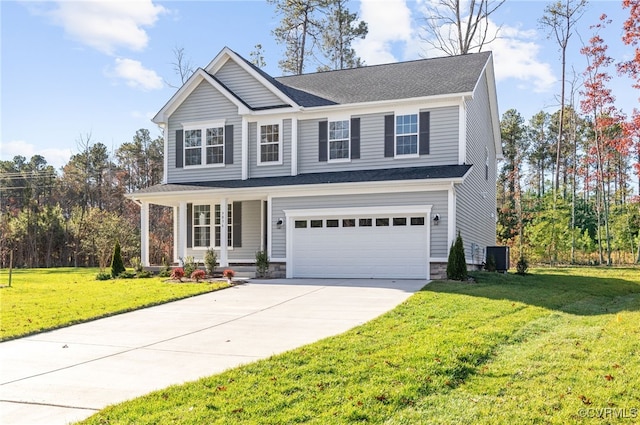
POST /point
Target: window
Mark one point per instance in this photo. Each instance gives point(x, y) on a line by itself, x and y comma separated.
point(204, 152)
point(417, 221)
point(486, 163)
point(399, 221)
point(333, 223)
point(201, 226)
point(316, 223)
point(215, 145)
point(269, 145)
point(382, 222)
point(365, 222)
point(218, 225)
point(348, 222)
point(338, 140)
point(407, 134)
point(300, 224)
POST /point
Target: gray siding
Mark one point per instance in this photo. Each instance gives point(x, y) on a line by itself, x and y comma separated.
point(476, 197)
point(205, 104)
point(270, 170)
point(246, 86)
point(437, 199)
point(251, 238)
point(443, 144)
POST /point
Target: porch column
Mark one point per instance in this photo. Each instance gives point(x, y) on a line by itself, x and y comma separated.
point(182, 230)
point(175, 235)
point(144, 233)
point(224, 255)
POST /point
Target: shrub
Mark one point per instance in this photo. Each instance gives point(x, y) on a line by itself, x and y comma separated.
point(457, 263)
point(262, 263)
point(136, 263)
point(103, 276)
point(197, 275)
point(490, 266)
point(522, 266)
point(210, 260)
point(144, 274)
point(228, 273)
point(117, 266)
point(126, 275)
point(189, 265)
point(165, 271)
point(177, 274)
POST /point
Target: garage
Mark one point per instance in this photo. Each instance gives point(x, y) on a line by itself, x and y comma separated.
point(366, 243)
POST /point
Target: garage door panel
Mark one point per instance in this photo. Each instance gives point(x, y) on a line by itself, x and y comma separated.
point(372, 251)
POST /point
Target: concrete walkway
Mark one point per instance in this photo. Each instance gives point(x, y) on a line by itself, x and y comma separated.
point(68, 374)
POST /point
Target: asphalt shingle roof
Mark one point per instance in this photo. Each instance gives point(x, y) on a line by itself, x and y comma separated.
point(389, 174)
point(402, 80)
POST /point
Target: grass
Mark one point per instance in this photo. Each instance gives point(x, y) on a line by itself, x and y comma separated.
point(45, 299)
point(559, 346)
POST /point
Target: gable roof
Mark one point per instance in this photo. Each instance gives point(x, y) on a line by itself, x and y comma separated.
point(401, 80)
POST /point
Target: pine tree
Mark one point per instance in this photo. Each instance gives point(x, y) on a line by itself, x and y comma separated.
point(457, 263)
point(117, 265)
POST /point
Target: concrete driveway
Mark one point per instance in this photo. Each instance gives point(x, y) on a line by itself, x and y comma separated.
point(68, 374)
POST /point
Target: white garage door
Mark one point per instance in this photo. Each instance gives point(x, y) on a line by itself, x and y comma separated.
point(360, 246)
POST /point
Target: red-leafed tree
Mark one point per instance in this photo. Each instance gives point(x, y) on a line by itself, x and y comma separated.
point(598, 104)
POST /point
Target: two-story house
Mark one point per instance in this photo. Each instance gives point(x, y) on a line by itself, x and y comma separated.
point(356, 173)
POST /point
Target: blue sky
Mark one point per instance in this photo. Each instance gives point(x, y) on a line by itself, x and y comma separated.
point(73, 69)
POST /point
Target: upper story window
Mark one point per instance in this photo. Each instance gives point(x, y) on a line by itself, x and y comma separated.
point(406, 134)
point(339, 140)
point(269, 144)
point(204, 145)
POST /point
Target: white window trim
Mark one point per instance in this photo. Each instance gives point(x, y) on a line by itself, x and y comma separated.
point(193, 227)
point(259, 125)
point(202, 126)
point(401, 112)
point(329, 121)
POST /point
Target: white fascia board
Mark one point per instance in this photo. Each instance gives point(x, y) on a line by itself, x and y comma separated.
point(331, 212)
point(362, 108)
point(252, 193)
point(181, 95)
point(228, 54)
point(488, 75)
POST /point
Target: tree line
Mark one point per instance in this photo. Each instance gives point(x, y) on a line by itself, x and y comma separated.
point(74, 218)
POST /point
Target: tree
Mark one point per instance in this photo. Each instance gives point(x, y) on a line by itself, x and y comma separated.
point(560, 17)
point(458, 27)
point(256, 57)
point(540, 141)
point(182, 66)
point(456, 263)
point(117, 266)
point(341, 30)
point(299, 30)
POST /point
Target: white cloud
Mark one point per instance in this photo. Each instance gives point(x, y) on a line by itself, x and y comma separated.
point(389, 22)
point(54, 156)
point(107, 25)
point(136, 75)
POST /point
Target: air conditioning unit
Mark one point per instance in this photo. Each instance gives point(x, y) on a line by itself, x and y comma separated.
point(501, 255)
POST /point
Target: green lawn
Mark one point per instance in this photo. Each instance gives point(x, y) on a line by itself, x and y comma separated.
point(560, 346)
point(44, 299)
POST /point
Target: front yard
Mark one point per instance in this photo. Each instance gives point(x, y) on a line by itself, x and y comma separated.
point(560, 346)
point(45, 299)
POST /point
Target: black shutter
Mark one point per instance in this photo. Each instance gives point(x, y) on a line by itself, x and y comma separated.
point(424, 133)
point(389, 136)
point(179, 149)
point(228, 144)
point(355, 138)
point(189, 225)
point(323, 136)
point(237, 224)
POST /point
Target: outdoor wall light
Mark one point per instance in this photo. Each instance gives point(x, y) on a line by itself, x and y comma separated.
point(279, 223)
point(436, 219)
